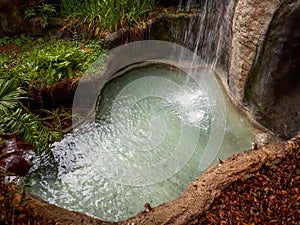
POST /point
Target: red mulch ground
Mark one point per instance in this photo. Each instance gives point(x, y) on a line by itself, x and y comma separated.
point(272, 196)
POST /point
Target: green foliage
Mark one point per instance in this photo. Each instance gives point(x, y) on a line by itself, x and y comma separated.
point(44, 11)
point(29, 63)
point(4, 41)
point(17, 40)
point(15, 117)
point(20, 40)
point(183, 15)
point(30, 128)
point(93, 18)
point(9, 96)
point(47, 63)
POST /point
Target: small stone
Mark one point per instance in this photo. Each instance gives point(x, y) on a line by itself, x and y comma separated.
point(254, 146)
point(148, 207)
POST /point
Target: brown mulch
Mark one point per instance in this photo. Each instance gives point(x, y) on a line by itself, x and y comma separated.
point(272, 196)
point(12, 204)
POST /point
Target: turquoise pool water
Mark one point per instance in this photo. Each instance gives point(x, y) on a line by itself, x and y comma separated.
point(151, 137)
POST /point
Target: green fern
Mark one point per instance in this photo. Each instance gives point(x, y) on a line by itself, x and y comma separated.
point(15, 117)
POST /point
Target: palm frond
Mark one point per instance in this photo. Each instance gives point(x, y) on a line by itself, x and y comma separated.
point(30, 127)
point(15, 117)
point(9, 95)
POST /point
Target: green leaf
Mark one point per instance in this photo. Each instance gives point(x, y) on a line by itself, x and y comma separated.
point(9, 95)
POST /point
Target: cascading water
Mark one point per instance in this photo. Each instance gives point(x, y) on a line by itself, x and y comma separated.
point(210, 33)
point(153, 129)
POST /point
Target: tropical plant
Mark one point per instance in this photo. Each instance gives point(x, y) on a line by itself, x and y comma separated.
point(34, 65)
point(9, 96)
point(15, 118)
point(93, 18)
point(21, 39)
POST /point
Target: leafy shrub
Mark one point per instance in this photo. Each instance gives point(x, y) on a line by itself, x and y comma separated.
point(17, 40)
point(36, 64)
point(47, 63)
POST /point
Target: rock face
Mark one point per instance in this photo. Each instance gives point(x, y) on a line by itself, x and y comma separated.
point(264, 67)
point(272, 88)
point(207, 32)
point(250, 25)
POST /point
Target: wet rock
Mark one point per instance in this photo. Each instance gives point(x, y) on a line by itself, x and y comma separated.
point(264, 138)
point(14, 146)
point(11, 152)
point(169, 27)
point(211, 22)
point(15, 164)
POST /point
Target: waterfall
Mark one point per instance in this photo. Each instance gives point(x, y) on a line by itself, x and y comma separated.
point(209, 33)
